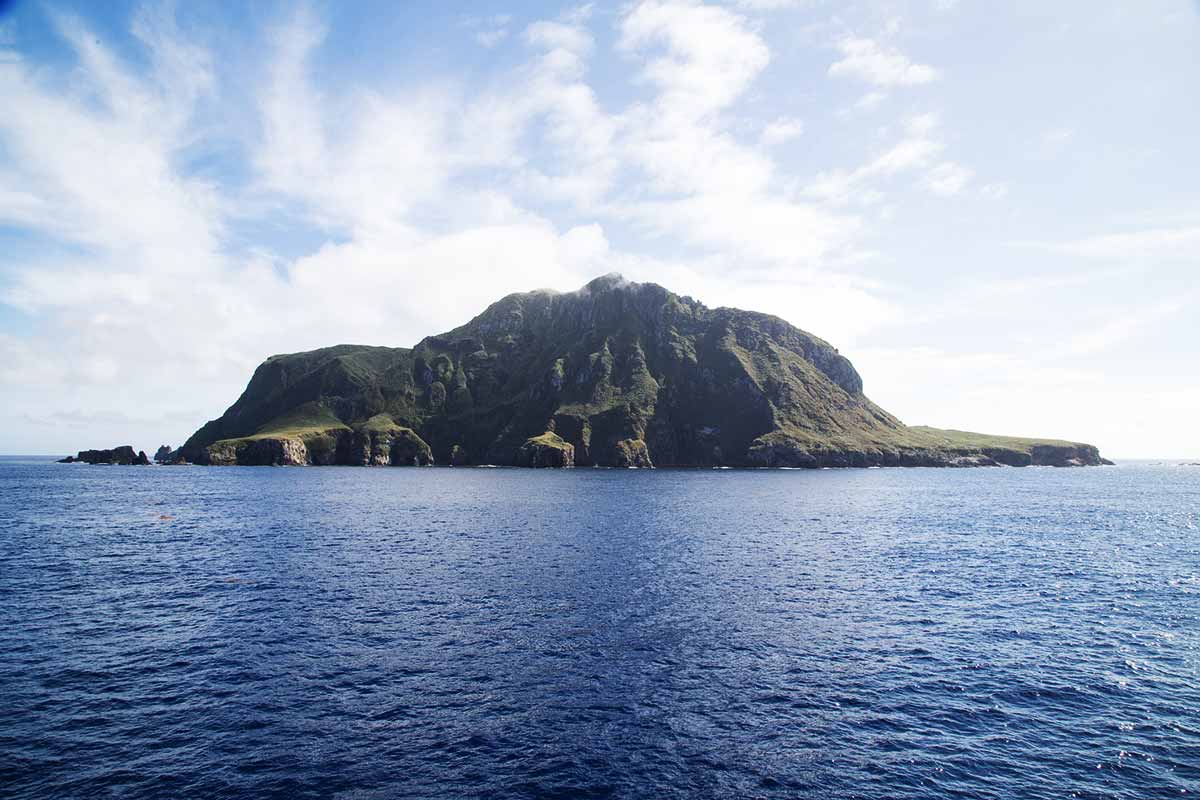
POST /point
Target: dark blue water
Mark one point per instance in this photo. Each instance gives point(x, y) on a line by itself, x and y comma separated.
point(376, 633)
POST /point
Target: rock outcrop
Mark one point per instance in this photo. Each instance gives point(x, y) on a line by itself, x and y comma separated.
point(375, 443)
point(123, 455)
point(616, 374)
point(547, 450)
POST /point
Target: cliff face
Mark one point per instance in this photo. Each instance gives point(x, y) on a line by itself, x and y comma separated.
point(615, 374)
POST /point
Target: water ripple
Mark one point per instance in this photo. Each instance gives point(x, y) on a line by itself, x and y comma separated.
point(371, 633)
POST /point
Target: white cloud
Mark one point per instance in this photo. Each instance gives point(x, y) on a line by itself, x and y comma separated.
point(764, 230)
point(916, 150)
point(707, 188)
point(874, 63)
point(1153, 243)
point(994, 191)
point(568, 45)
point(491, 38)
point(948, 178)
point(922, 124)
point(912, 152)
point(705, 56)
point(1019, 394)
point(1055, 139)
point(1114, 332)
point(579, 134)
point(869, 101)
point(769, 5)
point(488, 31)
point(781, 130)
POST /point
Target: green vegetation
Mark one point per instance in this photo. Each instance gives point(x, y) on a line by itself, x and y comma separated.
point(381, 423)
point(968, 440)
point(308, 420)
point(546, 450)
point(548, 439)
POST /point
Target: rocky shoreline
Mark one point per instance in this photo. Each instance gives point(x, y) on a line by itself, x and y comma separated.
point(350, 448)
point(401, 447)
point(361, 449)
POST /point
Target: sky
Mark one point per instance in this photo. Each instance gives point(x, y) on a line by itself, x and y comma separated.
point(990, 208)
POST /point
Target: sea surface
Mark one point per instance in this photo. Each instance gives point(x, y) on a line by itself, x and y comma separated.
point(175, 632)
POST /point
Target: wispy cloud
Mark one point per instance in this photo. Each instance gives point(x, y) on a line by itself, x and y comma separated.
point(769, 5)
point(1117, 331)
point(1055, 140)
point(1150, 243)
point(870, 61)
point(781, 130)
point(918, 150)
point(488, 31)
point(948, 178)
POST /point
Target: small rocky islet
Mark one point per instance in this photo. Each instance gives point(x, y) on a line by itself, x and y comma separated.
point(615, 374)
point(123, 456)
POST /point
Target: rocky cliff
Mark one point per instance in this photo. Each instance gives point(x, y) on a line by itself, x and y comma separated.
point(615, 374)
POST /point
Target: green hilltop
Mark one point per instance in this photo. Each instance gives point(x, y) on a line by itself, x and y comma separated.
point(614, 374)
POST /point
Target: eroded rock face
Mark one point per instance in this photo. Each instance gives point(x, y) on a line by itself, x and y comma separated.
point(406, 449)
point(219, 454)
point(342, 448)
point(266, 452)
point(632, 453)
point(547, 450)
point(1066, 456)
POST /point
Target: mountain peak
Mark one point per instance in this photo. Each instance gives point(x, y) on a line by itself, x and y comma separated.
point(608, 283)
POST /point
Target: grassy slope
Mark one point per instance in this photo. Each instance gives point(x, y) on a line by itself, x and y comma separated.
point(967, 439)
point(381, 423)
point(548, 439)
point(310, 419)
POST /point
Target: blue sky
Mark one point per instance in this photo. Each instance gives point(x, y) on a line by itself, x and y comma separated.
point(990, 208)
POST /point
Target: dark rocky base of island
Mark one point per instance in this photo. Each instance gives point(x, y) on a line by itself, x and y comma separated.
point(616, 374)
point(377, 444)
point(354, 448)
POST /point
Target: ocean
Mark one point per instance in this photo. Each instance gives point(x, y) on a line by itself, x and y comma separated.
point(455, 632)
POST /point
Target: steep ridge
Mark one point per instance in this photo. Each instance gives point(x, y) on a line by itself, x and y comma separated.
point(614, 374)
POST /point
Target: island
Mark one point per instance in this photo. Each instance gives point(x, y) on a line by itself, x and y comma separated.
point(123, 455)
point(615, 374)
